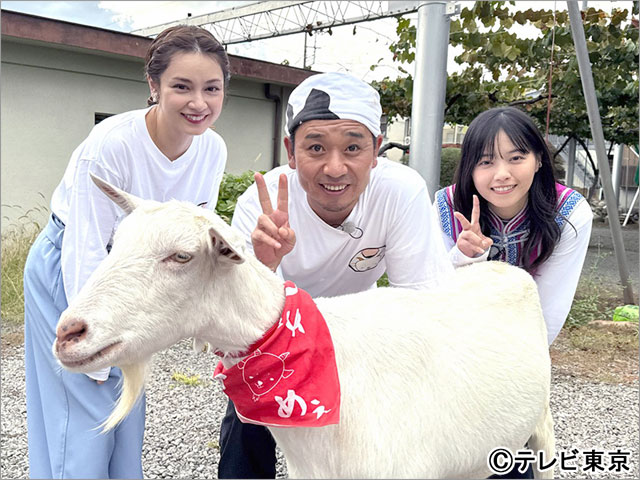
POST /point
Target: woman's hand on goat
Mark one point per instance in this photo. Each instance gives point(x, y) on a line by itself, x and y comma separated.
point(471, 241)
point(273, 238)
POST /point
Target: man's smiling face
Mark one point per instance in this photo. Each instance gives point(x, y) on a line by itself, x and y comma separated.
point(334, 159)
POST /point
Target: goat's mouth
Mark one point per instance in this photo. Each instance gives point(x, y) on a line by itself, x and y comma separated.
point(72, 361)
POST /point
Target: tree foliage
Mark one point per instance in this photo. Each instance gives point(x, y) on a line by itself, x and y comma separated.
point(500, 68)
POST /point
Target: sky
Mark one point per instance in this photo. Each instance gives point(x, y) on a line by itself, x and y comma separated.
point(341, 51)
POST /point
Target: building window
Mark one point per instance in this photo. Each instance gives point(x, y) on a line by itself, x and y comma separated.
point(101, 116)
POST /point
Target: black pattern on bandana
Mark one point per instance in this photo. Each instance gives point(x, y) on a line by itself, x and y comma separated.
point(316, 107)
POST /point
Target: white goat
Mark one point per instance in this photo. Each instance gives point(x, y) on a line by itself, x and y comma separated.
point(431, 381)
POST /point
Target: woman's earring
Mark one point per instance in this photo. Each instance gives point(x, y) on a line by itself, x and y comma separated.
point(154, 97)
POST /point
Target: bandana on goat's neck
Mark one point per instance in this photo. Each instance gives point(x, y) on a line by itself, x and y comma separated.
point(289, 377)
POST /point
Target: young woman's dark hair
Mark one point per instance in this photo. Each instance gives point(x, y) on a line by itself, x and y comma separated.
point(183, 38)
point(525, 136)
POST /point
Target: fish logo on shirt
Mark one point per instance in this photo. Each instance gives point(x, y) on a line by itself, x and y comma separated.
point(367, 259)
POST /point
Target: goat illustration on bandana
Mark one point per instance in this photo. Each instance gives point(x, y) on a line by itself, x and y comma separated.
point(289, 377)
point(262, 372)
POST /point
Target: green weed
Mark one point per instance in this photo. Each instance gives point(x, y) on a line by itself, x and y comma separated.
point(593, 300)
point(188, 380)
point(17, 239)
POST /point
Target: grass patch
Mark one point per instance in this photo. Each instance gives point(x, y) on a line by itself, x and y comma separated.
point(604, 337)
point(594, 300)
point(188, 380)
point(590, 345)
point(602, 351)
point(16, 242)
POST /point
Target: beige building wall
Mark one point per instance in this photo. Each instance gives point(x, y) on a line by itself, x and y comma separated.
point(49, 98)
point(247, 126)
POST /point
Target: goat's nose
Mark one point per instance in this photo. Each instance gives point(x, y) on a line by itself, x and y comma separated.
point(71, 330)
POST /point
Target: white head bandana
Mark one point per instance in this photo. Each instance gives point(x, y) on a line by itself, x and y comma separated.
point(334, 96)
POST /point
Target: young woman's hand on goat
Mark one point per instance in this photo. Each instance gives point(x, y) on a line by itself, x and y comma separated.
point(273, 238)
point(471, 241)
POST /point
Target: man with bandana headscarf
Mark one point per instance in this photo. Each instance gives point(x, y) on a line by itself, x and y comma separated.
point(332, 221)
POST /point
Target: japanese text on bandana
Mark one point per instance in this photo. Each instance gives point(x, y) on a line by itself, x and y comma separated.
point(289, 378)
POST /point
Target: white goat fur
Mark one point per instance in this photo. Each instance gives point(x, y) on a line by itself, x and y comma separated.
point(431, 381)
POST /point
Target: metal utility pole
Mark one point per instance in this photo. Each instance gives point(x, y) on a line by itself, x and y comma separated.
point(588, 87)
point(429, 90)
point(571, 162)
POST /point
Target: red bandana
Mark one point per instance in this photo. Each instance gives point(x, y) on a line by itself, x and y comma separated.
point(289, 377)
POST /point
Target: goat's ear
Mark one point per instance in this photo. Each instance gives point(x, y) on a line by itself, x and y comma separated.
point(124, 200)
point(222, 249)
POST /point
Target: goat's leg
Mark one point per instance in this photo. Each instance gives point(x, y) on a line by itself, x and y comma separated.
point(543, 439)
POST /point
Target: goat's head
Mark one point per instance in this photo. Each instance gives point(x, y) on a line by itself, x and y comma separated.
point(164, 258)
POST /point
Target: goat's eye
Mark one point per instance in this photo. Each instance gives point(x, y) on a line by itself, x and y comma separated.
point(180, 257)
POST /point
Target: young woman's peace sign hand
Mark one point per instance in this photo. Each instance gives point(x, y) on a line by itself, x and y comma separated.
point(272, 238)
point(471, 240)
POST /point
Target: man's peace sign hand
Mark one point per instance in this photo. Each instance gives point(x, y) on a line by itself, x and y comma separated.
point(272, 238)
point(471, 240)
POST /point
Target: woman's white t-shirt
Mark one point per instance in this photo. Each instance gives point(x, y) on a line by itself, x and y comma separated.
point(121, 151)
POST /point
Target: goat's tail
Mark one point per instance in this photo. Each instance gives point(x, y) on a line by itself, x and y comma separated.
point(133, 378)
point(543, 439)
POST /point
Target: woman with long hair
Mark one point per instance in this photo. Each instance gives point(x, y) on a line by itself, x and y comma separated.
point(506, 205)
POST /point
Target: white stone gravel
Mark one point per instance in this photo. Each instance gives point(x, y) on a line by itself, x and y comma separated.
point(181, 439)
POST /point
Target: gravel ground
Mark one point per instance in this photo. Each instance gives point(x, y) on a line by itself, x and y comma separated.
point(181, 439)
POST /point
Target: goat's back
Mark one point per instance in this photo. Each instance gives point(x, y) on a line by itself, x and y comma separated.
point(431, 381)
